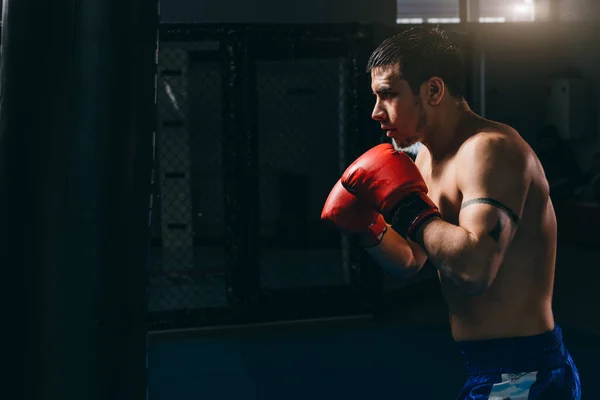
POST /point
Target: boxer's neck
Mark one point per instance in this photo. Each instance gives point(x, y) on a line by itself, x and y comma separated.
point(448, 129)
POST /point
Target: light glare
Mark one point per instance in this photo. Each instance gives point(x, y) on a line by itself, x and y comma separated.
point(409, 20)
point(522, 8)
point(492, 20)
point(443, 20)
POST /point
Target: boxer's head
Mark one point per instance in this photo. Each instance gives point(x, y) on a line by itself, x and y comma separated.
point(412, 74)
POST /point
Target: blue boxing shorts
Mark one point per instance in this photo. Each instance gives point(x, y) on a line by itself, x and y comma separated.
point(522, 368)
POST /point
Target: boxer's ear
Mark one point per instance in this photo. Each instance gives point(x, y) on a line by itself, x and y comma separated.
point(435, 91)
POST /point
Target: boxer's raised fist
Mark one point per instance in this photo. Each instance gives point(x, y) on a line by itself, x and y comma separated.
point(365, 225)
point(390, 182)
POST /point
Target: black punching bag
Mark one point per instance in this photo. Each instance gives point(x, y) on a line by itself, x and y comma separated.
point(76, 126)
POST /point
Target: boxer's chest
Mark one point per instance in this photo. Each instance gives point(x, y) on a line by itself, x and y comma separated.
point(443, 190)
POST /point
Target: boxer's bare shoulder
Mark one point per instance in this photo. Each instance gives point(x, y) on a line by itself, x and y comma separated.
point(494, 165)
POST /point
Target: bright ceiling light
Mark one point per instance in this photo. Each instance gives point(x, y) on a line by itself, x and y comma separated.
point(522, 9)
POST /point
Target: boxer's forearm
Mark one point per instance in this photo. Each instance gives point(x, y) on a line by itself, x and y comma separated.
point(458, 254)
point(398, 256)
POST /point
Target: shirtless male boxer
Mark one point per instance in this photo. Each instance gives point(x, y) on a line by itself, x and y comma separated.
point(476, 204)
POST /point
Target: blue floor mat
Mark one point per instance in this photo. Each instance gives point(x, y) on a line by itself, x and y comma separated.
point(364, 362)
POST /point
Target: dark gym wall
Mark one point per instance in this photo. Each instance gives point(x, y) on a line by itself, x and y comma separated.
point(279, 12)
point(558, 46)
point(76, 127)
point(521, 58)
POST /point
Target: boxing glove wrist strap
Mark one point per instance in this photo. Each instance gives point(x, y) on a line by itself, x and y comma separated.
point(411, 212)
point(373, 235)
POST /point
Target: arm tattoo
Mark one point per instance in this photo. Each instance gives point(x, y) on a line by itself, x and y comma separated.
point(495, 203)
point(497, 231)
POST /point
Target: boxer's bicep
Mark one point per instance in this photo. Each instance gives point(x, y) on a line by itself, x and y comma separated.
point(494, 189)
point(488, 218)
point(492, 231)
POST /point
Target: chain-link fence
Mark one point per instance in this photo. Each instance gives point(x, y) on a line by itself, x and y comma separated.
point(255, 125)
point(188, 269)
point(301, 119)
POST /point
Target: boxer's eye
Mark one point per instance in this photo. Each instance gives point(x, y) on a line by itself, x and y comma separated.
point(386, 95)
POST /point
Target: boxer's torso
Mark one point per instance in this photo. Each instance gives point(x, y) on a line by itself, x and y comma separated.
point(519, 301)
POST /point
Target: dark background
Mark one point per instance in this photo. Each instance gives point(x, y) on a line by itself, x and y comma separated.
point(163, 168)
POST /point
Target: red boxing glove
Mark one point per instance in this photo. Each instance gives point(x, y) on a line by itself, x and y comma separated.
point(342, 209)
point(390, 182)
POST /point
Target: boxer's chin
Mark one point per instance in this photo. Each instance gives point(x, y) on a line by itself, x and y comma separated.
point(403, 145)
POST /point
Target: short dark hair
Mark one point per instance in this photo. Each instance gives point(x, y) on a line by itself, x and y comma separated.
point(422, 52)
